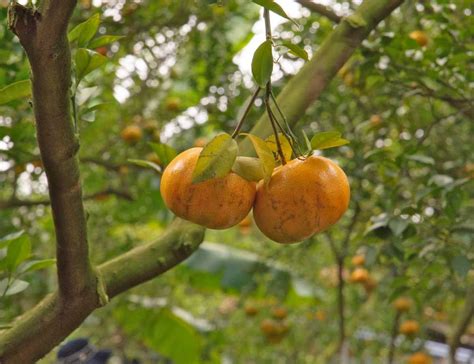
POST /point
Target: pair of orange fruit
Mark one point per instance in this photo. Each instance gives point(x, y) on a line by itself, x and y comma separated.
point(303, 197)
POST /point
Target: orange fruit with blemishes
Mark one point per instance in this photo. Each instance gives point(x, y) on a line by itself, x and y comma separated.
point(358, 260)
point(173, 104)
point(409, 327)
point(369, 285)
point(303, 197)
point(420, 358)
point(375, 120)
point(131, 134)
point(279, 313)
point(402, 304)
point(250, 309)
point(359, 275)
point(218, 203)
point(420, 37)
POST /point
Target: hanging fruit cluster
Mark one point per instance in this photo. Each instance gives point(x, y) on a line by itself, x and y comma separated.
point(294, 193)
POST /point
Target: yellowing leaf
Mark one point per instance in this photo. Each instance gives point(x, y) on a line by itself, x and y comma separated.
point(265, 154)
point(327, 139)
point(262, 63)
point(249, 168)
point(285, 146)
point(216, 159)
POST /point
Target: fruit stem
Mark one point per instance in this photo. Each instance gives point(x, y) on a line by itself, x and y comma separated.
point(268, 91)
point(275, 131)
point(245, 113)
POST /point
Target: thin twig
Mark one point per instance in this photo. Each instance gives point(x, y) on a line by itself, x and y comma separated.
point(245, 113)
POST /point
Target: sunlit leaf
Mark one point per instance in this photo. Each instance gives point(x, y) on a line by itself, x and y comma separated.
point(87, 61)
point(104, 40)
point(18, 250)
point(7, 239)
point(285, 146)
point(265, 154)
point(216, 158)
point(164, 152)
point(296, 50)
point(15, 91)
point(249, 168)
point(262, 63)
point(37, 265)
point(85, 31)
point(16, 286)
point(327, 139)
point(273, 7)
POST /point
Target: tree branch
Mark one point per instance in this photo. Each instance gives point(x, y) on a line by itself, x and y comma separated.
point(42, 328)
point(321, 9)
point(44, 39)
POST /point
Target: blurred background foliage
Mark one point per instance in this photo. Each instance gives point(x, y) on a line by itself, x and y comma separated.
point(180, 74)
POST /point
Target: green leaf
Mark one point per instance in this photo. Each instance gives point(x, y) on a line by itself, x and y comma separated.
point(273, 7)
point(327, 139)
point(262, 63)
point(163, 331)
point(421, 159)
point(296, 50)
point(461, 265)
point(15, 91)
point(145, 164)
point(249, 168)
point(86, 62)
point(85, 31)
point(285, 146)
point(265, 154)
point(37, 265)
point(398, 225)
point(16, 287)
point(18, 250)
point(104, 40)
point(216, 158)
point(164, 152)
point(355, 21)
point(7, 239)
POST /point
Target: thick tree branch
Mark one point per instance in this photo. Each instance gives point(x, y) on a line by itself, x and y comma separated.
point(38, 331)
point(44, 39)
point(139, 265)
point(320, 9)
point(46, 325)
